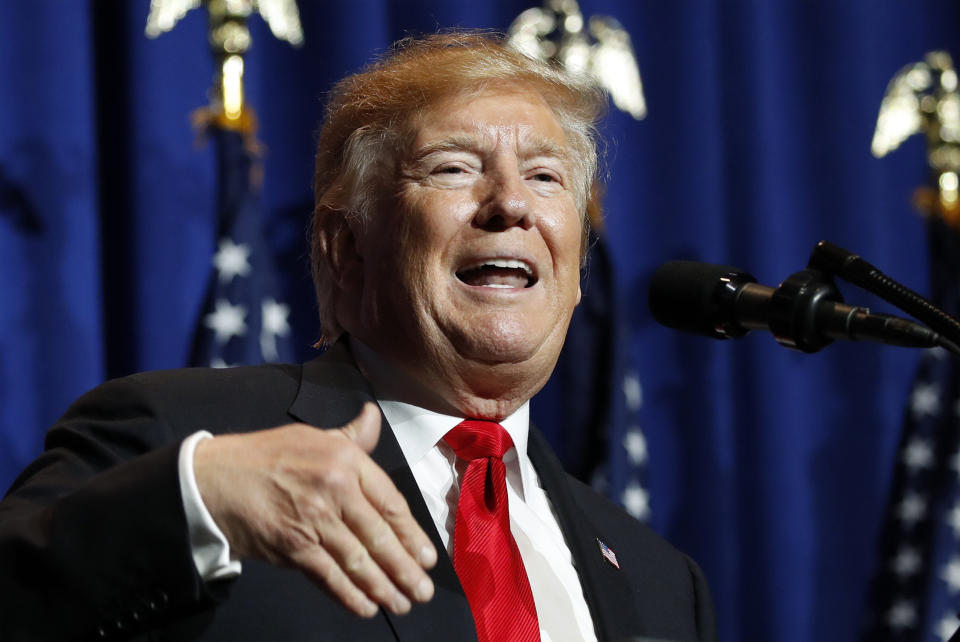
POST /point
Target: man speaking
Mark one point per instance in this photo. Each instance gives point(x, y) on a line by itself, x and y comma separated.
point(390, 489)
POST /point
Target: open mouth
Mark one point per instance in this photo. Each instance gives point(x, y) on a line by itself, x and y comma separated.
point(499, 273)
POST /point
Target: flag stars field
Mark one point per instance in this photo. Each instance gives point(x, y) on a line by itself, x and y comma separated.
point(243, 321)
point(912, 509)
point(273, 324)
point(636, 445)
point(947, 626)
point(918, 454)
point(902, 615)
point(951, 574)
point(925, 400)
point(231, 260)
point(953, 519)
point(636, 500)
point(632, 391)
point(907, 562)
point(275, 317)
point(227, 321)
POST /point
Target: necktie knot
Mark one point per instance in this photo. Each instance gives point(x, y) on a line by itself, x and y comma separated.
point(475, 439)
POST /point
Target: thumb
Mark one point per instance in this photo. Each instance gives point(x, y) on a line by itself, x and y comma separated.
point(364, 430)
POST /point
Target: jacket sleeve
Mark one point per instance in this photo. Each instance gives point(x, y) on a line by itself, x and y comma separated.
point(93, 537)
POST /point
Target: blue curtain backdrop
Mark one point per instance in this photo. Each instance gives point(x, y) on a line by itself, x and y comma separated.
point(771, 468)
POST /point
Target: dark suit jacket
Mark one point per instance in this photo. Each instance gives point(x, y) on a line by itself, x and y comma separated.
point(93, 537)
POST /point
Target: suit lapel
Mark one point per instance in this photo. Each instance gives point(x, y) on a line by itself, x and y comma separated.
point(605, 587)
point(332, 391)
point(447, 616)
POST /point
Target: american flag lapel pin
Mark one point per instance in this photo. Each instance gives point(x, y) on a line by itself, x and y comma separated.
point(608, 554)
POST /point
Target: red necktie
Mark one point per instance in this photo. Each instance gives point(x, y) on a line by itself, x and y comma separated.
point(485, 554)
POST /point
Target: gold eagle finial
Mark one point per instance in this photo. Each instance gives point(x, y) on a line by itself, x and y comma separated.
point(923, 97)
point(229, 41)
point(556, 32)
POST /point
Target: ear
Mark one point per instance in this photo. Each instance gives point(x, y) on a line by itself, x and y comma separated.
point(338, 242)
point(579, 293)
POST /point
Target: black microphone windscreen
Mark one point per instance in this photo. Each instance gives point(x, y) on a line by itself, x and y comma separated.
point(685, 295)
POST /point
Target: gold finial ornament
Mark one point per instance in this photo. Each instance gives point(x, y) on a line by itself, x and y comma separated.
point(556, 32)
point(229, 41)
point(923, 97)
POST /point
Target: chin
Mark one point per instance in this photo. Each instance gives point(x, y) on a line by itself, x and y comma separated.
point(500, 344)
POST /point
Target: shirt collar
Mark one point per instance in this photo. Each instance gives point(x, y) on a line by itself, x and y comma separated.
point(417, 429)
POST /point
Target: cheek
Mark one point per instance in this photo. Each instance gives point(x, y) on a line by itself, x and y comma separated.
point(429, 223)
point(564, 232)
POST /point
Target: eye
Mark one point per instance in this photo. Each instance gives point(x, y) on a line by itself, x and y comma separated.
point(546, 178)
point(456, 173)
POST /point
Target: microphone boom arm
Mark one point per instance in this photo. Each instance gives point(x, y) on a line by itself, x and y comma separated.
point(833, 259)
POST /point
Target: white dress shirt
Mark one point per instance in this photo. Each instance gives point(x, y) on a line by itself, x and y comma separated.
point(562, 610)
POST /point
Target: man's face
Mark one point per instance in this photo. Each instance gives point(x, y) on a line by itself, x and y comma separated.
point(473, 260)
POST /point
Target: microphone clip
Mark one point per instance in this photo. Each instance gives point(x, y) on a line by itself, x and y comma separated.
point(800, 308)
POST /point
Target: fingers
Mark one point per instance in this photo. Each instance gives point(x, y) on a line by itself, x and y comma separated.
point(391, 550)
point(315, 500)
point(364, 430)
point(392, 508)
point(319, 566)
point(389, 504)
point(369, 549)
point(391, 541)
point(356, 571)
point(379, 490)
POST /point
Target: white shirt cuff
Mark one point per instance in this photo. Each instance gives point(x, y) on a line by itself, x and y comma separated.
point(211, 551)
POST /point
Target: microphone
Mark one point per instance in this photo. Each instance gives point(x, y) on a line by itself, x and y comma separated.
point(806, 312)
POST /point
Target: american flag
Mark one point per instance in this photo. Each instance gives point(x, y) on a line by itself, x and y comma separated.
point(623, 475)
point(243, 320)
point(608, 553)
point(915, 594)
point(626, 466)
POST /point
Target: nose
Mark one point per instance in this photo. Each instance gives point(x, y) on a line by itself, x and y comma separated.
point(506, 203)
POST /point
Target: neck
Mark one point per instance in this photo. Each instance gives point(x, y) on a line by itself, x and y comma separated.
point(479, 391)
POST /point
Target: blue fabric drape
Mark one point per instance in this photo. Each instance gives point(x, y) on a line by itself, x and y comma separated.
point(771, 468)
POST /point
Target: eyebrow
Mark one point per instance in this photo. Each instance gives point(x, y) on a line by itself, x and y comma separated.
point(454, 143)
point(533, 147)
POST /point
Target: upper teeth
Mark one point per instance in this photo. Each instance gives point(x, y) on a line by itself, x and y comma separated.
point(503, 263)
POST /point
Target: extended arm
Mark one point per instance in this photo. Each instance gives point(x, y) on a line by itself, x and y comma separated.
point(93, 534)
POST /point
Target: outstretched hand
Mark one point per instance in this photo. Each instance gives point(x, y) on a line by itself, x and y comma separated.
point(313, 500)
